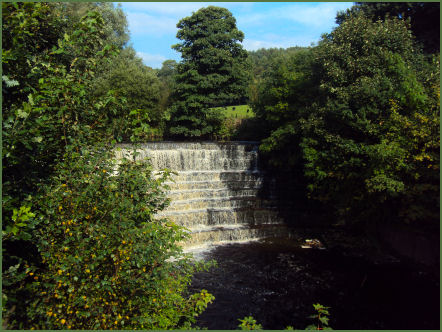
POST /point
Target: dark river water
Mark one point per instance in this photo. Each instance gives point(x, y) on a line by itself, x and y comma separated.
point(277, 282)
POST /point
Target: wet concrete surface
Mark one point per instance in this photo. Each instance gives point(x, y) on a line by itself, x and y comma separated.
point(277, 282)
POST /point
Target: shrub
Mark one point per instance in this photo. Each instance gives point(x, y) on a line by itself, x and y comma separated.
point(322, 317)
point(249, 323)
point(107, 262)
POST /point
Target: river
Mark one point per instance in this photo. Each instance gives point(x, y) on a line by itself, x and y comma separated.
point(277, 282)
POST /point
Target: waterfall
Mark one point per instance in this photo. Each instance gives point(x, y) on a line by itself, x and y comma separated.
point(217, 192)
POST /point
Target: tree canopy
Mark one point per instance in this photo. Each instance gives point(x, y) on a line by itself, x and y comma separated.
point(423, 17)
point(367, 131)
point(141, 117)
point(212, 71)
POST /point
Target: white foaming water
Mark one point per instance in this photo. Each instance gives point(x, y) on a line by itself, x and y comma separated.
point(215, 193)
point(201, 251)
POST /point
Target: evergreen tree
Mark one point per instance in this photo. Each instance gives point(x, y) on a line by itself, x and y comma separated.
point(212, 71)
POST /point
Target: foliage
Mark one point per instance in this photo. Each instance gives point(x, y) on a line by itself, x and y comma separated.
point(168, 70)
point(262, 60)
point(424, 18)
point(115, 27)
point(289, 90)
point(141, 117)
point(166, 75)
point(322, 316)
point(364, 67)
point(249, 323)
point(366, 80)
point(31, 30)
point(28, 30)
point(138, 117)
point(46, 109)
point(106, 260)
point(211, 73)
point(262, 64)
point(290, 86)
point(417, 137)
point(57, 106)
point(51, 119)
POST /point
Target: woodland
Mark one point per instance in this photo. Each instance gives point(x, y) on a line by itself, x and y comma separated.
point(350, 125)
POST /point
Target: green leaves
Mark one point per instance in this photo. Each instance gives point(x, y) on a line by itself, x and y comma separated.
point(361, 74)
point(322, 318)
point(136, 91)
point(352, 136)
point(21, 224)
point(22, 114)
point(422, 19)
point(9, 83)
point(106, 258)
point(48, 110)
point(249, 323)
point(212, 71)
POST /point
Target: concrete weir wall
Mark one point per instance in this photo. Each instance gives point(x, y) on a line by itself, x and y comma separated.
point(217, 192)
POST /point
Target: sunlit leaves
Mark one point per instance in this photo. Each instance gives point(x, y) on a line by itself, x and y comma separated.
point(108, 262)
point(368, 135)
point(212, 71)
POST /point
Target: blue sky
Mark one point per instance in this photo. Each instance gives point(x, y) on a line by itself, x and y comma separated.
point(153, 29)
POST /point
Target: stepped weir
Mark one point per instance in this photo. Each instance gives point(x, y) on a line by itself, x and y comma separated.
point(217, 193)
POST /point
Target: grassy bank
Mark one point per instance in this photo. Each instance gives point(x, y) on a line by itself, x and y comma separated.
point(237, 111)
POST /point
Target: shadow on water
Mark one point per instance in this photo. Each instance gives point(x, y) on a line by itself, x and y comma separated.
point(276, 281)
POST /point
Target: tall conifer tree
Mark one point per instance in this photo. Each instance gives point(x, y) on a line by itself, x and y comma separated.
point(212, 71)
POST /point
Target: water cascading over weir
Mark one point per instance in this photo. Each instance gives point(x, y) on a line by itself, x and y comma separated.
point(218, 191)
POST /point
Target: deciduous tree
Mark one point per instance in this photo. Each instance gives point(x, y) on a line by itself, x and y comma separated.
point(357, 136)
point(424, 18)
point(140, 117)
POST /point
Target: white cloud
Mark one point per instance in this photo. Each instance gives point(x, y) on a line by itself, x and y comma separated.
point(141, 23)
point(321, 14)
point(315, 15)
point(253, 45)
point(152, 60)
